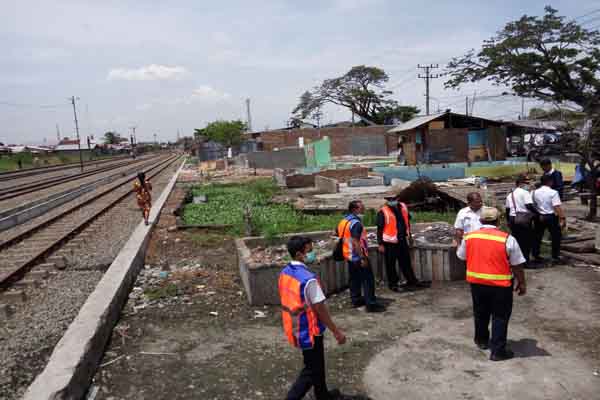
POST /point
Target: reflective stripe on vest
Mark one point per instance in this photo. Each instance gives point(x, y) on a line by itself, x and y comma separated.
point(300, 323)
point(390, 229)
point(344, 226)
point(487, 259)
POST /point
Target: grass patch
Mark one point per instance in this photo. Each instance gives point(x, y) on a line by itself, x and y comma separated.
point(163, 292)
point(227, 202)
point(567, 169)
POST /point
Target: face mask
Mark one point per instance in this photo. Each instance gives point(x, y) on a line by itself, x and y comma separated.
point(393, 203)
point(310, 257)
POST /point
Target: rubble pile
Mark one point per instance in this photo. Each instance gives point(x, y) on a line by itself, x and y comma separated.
point(435, 234)
point(156, 287)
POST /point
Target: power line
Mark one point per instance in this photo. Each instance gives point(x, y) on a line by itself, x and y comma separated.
point(587, 14)
point(11, 104)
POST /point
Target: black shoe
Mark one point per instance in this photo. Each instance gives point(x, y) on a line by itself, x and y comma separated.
point(375, 308)
point(423, 284)
point(502, 355)
point(358, 303)
point(482, 345)
point(557, 260)
point(395, 288)
point(335, 394)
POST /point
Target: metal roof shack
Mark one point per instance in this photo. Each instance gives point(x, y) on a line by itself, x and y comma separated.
point(450, 137)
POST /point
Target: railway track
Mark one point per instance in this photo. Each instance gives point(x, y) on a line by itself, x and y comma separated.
point(22, 251)
point(13, 191)
point(11, 175)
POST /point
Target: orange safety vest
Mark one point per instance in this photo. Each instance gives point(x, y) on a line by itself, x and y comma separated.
point(487, 259)
point(343, 231)
point(300, 322)
point(390, 229)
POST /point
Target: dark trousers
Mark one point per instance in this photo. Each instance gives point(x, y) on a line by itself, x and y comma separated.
point(312, 375)
point(495, 302)
point(398, 253)
point(549, 222)
point(524, 236)
point(361, 278)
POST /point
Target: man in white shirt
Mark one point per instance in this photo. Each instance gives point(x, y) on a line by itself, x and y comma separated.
point(519, 213)
point(467, 219)
point(551, 217)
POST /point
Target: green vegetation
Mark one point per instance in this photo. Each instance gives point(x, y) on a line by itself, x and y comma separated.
point(162, 292)
point(226, 204)
point(11, 162)
point(567, 169)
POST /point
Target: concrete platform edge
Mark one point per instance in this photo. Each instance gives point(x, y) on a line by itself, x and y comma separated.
point(75, 358)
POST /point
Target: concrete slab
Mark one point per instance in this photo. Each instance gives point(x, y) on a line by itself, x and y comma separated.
point(75, 358)
point(347, 192)
point(370, 181)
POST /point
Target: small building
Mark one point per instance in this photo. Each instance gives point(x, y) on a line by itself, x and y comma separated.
point(72, 145)
point(450, 137)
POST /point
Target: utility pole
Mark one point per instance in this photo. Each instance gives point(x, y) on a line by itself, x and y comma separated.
point(428, 76)
point(57, 133)
point(467, 106)
point(73, 98)
point(522, 108)
point(249, 116)
point(133, 139)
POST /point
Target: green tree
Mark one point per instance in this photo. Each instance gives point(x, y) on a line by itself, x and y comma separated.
point(547, 58)
point(228, 133)
point(112, 138)
point(360, 90)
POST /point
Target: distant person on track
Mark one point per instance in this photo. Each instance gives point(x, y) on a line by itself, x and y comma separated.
point(142, 188)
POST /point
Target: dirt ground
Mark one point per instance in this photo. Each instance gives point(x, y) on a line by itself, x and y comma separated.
point(200, 339)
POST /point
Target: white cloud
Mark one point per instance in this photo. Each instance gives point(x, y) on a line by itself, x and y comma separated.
point(152, 72)
point(208, 94)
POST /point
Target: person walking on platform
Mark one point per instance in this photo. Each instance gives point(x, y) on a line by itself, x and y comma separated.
point(467, 219)
point(492, 257)
point(355, 251)
point(142, 188)
point(393, 235)
point(557, 178)
point(519, 214)
point(551, 218)
point(305, 317)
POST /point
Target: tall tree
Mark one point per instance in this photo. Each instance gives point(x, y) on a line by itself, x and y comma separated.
point(360, 90)
point(112, 138)
point(548, 58)
point(228, 133)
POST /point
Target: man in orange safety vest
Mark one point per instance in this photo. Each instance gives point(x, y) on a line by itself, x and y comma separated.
point(393, 235)
point(305, 317)
point(492, 257)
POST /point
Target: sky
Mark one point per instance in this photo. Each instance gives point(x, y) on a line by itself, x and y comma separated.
point(174, 66)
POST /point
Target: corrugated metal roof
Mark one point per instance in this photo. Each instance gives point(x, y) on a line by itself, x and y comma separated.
point(415, 123)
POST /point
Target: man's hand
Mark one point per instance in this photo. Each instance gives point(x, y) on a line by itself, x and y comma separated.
point(563, 222)
point(381, 249)
point(339, 336)
point(364, 262)
point(521, 288)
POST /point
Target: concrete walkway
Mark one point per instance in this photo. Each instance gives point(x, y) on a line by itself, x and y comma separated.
point(549, 332)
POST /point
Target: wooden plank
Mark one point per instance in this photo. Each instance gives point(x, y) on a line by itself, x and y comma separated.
point(587, 258)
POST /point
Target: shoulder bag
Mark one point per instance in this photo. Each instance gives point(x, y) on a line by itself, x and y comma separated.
point(338, 251)
point(522, 218)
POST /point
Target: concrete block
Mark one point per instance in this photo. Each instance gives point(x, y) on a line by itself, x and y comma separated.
point(59, 262)
point(13, 297)
point(326, 185)
point(370, 181)
point(399, 184)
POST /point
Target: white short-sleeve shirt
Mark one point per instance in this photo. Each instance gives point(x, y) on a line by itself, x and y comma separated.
point(468, 220)
point(519, 202)
point(545, 199)
point(313, 294)
point(513, 251)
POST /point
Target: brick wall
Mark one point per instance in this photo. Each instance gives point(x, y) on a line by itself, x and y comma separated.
point(341, 138)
